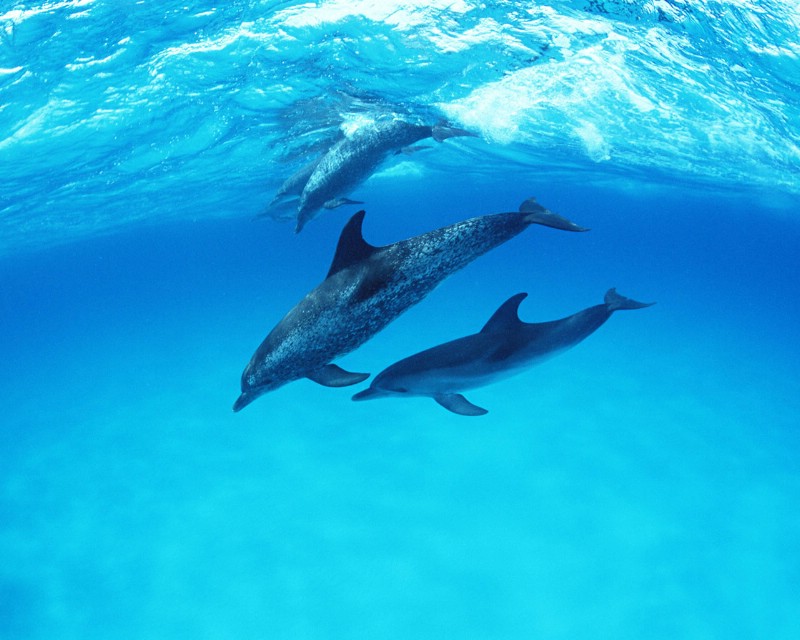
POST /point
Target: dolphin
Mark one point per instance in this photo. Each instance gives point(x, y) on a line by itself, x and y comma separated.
point(294, 184)
point(282, 208)
point(506, 345)
point(366, 288)
point(327, 180)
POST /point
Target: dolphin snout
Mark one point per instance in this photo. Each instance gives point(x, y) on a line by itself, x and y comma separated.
point(243, 400)
point(371, 393)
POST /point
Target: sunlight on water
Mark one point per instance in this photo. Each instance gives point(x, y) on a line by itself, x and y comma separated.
point(144, 101)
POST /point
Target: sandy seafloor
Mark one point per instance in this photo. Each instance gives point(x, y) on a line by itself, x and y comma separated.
point(642, 485)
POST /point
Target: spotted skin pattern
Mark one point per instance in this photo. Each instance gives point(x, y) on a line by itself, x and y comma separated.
point(352, 160)
point(366, 289)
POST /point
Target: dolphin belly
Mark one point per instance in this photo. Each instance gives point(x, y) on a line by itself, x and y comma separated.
point(435, 371)
point(435, 383)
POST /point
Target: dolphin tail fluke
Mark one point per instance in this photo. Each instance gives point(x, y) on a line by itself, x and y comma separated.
point(332, 375)
point(457, 403)
point(537, 214)
point(441, 132)
point(616, 302)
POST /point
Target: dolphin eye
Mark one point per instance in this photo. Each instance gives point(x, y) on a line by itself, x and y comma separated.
point(401, 390)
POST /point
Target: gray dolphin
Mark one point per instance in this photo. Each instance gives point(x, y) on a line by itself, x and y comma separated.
point(504, 346)
point(366, 288)
point(330, 178)
point(283, 208)
point(295, 183)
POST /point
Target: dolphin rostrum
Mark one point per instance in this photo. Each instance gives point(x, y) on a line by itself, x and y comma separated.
point(366, 288)
point(326, 181)
point(506, 345)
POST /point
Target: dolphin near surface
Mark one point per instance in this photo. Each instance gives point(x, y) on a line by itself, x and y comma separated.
point(328, 180)
point(506, 345)
point(366, 288)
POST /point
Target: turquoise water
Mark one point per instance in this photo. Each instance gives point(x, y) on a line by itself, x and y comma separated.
point(642, 485)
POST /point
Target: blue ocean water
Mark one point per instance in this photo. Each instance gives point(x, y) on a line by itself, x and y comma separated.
point(642, 485)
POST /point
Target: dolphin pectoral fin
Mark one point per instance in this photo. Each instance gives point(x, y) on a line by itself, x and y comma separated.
point(332, 375)
point(333, 203)
point(537, 214)
point(457, 403)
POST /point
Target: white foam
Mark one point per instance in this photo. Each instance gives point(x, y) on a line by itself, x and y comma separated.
point(20, 15)
point(404, 15)
point(596, 146)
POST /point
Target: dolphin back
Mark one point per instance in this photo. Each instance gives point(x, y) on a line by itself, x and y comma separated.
point(616, 302)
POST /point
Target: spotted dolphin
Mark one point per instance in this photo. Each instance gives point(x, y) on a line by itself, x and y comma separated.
point(282, 208)
point(506, 345)
point(328, 180)
point(295, 183)
point(366, 288)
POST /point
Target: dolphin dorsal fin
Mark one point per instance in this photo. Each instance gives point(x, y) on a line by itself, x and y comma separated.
point(352, 247)
point(506, 316)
